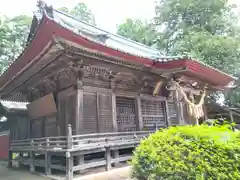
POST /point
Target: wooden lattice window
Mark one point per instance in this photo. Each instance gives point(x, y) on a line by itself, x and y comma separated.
point(152, 114)
point(126, 114)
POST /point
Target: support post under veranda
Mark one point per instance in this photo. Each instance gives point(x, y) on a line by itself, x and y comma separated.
point(69, 156)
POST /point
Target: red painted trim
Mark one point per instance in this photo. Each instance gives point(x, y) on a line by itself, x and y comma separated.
point(48, 28)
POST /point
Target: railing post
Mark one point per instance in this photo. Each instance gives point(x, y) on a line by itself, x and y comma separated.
point(108, 156)
point(69, 166)
point(69, 138)
point(47, 143)
point(48, 163)
point(32, 160)
point(116, 157)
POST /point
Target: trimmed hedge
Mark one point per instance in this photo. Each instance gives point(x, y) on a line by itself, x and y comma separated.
point(189, 153)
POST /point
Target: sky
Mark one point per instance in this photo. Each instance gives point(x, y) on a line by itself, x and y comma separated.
point(108, 13)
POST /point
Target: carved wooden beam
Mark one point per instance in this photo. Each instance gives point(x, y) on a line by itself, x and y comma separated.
point(126, 79)
point(77, 68)
point(97, 72)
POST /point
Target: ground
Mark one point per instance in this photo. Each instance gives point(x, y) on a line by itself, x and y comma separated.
point(7, 174)
point(116, 174)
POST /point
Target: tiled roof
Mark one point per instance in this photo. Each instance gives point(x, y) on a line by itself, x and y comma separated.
point(103, 37)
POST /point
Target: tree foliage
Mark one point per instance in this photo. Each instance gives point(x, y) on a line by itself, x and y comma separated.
point(81, 12)
point(139, 31)
point(189, 152)
point(13, 35)
point(205, 30)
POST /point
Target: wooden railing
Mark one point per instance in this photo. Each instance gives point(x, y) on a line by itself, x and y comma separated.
point(79, 142)
point(77, 147)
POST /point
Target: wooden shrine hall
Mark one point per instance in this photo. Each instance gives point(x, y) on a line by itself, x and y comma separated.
point(92, 95)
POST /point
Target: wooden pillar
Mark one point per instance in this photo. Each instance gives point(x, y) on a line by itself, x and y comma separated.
point(114, 120)
point(139, 113)
point(69, 166)
point(181, 109)
point(32, 162)
point(205, 112)
point(167, 114)
point(178, 110)
point(79, 107)
point(114, 113)
point(79, 117)
point(108, 158)
point(69, 137)
point(48, 163)
point(231, 116)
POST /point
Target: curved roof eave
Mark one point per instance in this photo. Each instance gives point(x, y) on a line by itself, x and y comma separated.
point(48, 28)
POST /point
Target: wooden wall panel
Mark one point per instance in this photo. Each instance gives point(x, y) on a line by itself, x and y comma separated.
point(67, 110)
point(71, 111)
point(105, 119)
point(62, 115)
point(23, 127)
point(37, 126)
point(90, 112)
point(50, 126)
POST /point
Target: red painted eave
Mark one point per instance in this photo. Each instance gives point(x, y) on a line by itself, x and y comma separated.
point(48, 28)
point(199, 70)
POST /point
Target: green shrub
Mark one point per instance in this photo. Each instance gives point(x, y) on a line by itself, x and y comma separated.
point(189, 153)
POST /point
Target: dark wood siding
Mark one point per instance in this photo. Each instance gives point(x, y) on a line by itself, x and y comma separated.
point(37, 128)
point(71, 111)
point(152, 114)
point(50, 127)
point(62, 115)
point(67, 110)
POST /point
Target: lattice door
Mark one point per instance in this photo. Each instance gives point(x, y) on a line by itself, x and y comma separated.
point(152, 114)
point(126, 114)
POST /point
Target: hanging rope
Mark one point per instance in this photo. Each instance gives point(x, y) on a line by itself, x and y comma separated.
point(194, 110)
